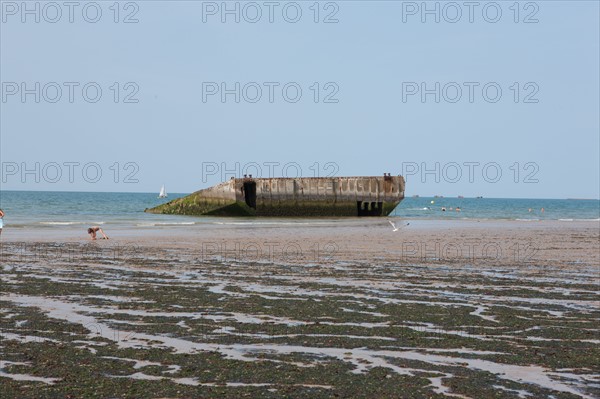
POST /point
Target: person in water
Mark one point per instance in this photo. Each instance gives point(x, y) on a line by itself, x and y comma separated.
point(1, 221)
point(93, 230)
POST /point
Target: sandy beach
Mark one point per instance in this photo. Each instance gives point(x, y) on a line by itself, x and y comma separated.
point(328, 308)
point(485, 242)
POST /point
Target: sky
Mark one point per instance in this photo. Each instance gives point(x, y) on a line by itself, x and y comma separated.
point(497, 99)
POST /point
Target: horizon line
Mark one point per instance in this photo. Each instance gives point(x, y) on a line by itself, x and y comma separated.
point(405, 197)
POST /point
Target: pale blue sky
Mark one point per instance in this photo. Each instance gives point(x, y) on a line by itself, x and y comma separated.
point(368, 54)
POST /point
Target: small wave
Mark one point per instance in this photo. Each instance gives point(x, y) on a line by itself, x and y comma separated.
point(527, 220)
point(68, 223)
point(165, 224)
point(269, 223)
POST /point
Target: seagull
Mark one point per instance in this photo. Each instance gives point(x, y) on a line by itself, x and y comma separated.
point(394, 226)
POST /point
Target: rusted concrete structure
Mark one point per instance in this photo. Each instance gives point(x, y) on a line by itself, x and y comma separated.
point(296, 197)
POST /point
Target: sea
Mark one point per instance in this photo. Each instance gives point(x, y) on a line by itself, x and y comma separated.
point(51, 209)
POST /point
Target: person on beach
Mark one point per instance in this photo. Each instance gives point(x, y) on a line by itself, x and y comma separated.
point(1, 221)
point(93, 230)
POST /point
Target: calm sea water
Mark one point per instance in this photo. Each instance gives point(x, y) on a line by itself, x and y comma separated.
point(499, 208)
point(26, 209)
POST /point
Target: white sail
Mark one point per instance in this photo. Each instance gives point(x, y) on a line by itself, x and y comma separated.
point(163, 192)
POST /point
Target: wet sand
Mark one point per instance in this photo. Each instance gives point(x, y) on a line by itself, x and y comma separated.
point(487, 241)
point(343, 308)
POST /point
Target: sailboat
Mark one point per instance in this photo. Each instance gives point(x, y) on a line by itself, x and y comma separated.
point(163, 192)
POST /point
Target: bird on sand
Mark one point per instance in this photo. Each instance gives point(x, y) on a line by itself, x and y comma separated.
point(394, 226)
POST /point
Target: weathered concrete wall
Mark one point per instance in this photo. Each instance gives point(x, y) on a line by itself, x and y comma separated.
point(327, 189)
point(326, 196)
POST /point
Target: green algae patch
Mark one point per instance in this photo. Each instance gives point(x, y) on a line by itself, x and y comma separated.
point(163, 327)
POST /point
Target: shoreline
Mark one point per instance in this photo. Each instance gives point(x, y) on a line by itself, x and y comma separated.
point(66, 229)
point(550, 243)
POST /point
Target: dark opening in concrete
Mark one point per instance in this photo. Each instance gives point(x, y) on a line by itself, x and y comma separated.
point(369, 208)
point(250, 194)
